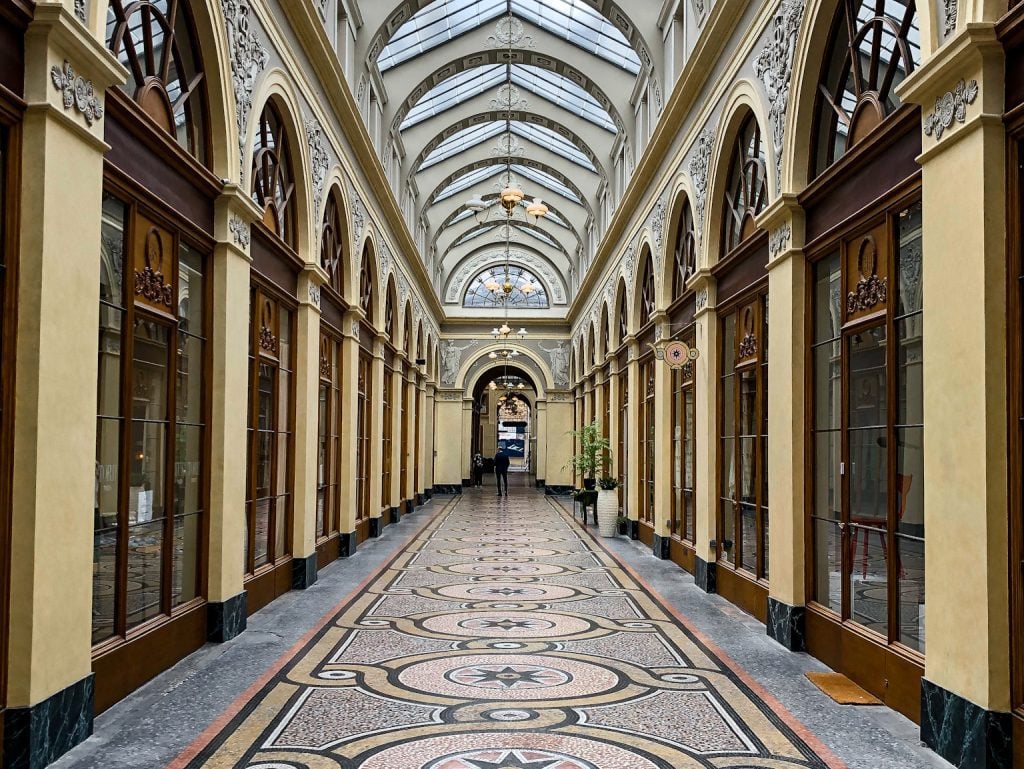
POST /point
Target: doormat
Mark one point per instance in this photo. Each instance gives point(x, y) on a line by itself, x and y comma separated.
point(842, 689)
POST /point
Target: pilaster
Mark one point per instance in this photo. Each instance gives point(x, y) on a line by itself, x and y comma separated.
point(376, 396)
point(632, 495)
point(349, 436)
point(706, 428)
point(663, 428)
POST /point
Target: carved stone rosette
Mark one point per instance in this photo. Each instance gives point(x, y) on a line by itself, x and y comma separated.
point(952, 105)
point(77, 92)
point(239, 231)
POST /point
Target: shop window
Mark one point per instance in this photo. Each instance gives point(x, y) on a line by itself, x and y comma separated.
point(648, 465)
point(366, 290)
point(743, 420)
point(874, 45)
point(623, 315)
point(271, 431)
point(156, 43)
point(746, 194)
point(273, 184)
point(364, 386)
point(867, 513)
point(646, 290)
point(328, 492)
point(386, 435)
point(150, 495)
point(683, 505)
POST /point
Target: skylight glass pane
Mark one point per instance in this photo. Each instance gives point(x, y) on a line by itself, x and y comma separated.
point(546, 179)
point(576, 22)
point(453, 91)
point(560, 90)
point(467, 180)
point(555, 142)
point(539, 235)
point(434, 25)
point(477, 294)
point(474, 233)
point(461, 141)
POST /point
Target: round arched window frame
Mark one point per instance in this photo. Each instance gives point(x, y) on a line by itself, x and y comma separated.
point(273, 183)
point(477, 295)
point(746, 193)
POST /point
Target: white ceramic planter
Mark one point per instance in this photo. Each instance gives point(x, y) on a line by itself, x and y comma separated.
point(607, 512)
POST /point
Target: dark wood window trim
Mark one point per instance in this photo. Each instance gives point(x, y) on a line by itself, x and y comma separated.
point(272, 181)
point(646, 296)
point(364, 386)
point(623, 428)
point(683, 502)
point(329, 421)
point(646, 435)
point(387, 434)
point(746, 193)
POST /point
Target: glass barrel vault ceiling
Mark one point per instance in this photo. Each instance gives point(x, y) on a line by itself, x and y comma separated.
point(549, 116)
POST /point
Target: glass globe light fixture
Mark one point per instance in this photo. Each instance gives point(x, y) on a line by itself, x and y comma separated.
point(536, 209)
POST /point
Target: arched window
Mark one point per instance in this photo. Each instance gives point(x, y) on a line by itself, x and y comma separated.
point(366, 286)
point(331, 241)
point(389, 313)
point(747, 192)
point(477, 294)
point(684, 256)
point(407, 333)
point(272, 182)
point(647, 291)
point(156, 44)
point(874, 45)
point(606, 331)
point(623, 317)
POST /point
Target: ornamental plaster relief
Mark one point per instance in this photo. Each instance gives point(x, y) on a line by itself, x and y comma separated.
point(249, 58)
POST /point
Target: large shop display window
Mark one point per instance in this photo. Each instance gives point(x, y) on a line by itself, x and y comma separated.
point(683, 504)
point(271, 382)
point(743, 522)
point(648, 465)
point(150, 458)
point(328, 492)
point(364, 386)
point(868, 504)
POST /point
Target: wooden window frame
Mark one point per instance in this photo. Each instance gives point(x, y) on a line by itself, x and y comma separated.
point(646, 436)
point(387, 437)
point(328, 486)
point(683, 502)
point(747, 181)
point(364, 386)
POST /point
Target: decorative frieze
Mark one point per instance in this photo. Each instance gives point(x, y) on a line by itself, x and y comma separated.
point(508, 33)
point(451, 359)
point(358, 217)
point(82, 11)
point(509, 97)
point(77, 92)
point(774, 67)
point(239, 231)
point(950, 12)
point(319, 160)
point(558, 359)
point(698, 167)
point(657, 225)
point(248, 59)
point(952, 105)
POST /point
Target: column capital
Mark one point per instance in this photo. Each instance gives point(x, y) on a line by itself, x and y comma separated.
point(705, 288)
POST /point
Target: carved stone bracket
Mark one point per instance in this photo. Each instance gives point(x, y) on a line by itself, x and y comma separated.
point(77, 92)
point(952, 105)
point(239, 231)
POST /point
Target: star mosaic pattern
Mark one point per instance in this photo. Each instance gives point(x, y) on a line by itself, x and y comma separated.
point(449, 660)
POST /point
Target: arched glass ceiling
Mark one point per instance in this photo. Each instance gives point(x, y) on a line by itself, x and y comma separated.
point(465, 85)
point(487, 227)
point(572, 20)
point(470, 178)
point(477, 294)
point(546, 179)
point(539, 135)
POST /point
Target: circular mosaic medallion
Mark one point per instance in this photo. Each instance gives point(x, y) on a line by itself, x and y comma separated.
point(509, 715)
point(505, 539)
point(506, 569)
point(499, 591)
point(504, 750)
point(509, 625)
point(508, 677)
point(506, 551)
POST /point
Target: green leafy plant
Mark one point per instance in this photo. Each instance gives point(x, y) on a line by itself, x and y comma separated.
point(622, 520)
point(608, 483)
point(593, 447)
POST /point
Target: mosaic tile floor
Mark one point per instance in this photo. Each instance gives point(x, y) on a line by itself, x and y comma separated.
point(504, 637)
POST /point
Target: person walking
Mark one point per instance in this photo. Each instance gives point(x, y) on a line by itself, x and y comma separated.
point(501, 463)
point(478, 469)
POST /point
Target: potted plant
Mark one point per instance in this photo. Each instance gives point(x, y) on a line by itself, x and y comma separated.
point(623, 522)
point(607, 506)
point(592, 450)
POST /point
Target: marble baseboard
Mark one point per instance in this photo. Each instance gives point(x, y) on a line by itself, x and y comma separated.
point(634, 529)
point(558, 491)
point(395, 514)
point(409, 507)
point(467, 483)
point(786, 624)
point(303, 572)
point(428, 494)
point(349, 543)
point(420, 499)
point(447, 488)
point(660, 547)
point(540, 483)
point(37, 736)
point(965, 734)
point(376, 526)
point(226, 619)
point(705, 575)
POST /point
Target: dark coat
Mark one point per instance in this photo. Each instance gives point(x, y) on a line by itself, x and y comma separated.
point(501, 462)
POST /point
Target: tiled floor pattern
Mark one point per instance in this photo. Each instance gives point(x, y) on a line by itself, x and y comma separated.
point(503, 638)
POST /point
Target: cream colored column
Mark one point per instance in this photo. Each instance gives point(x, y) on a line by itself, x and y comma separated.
point(614, 392)
point(541, 426)
point(448, 421)
point(465, 471)
point(349, 437)
point(421, 444)
point(376, 396)
point(662, 449)
point(964, 286)
point(558, 425)
point(229, 414)
point(54, 468)
point(706, 412)
point(787, 424)
point(307, 419)
point(409, 492)
point(430, 416)
point(633, 438)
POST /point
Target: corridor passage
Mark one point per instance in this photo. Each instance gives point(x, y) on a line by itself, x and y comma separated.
point(503, 637)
